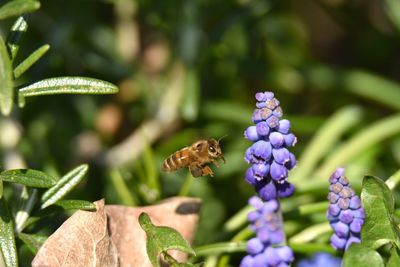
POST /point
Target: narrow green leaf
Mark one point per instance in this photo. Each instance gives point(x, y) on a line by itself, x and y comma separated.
point(392, 8)
point(161, 238)
point(358, 255)
point(18, 7)
point(28, 177)
point(72, 204)
point(32, 241)
point(1, 188)
point(122, 190)
point(366, 138)
point(190, 103)
point(394, 260)
point(221, 248)
point(67, 85)
point(19, 27)
point(64, 186)
point(30, 60)
point(324, 139)
point(7, 238)
point(378, 202)
point(6, 88)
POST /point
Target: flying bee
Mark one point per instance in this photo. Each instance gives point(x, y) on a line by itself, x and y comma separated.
point(196, 157)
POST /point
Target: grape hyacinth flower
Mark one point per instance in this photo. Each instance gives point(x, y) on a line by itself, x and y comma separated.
point(270, 162)
point(321, 259)
point(265, 249)
point(269, 156)
point(345, 213)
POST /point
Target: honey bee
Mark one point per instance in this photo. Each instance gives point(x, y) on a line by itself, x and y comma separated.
point(196, 157)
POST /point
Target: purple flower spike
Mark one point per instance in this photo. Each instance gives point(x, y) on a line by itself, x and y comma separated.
point(271, 161)
point(345, 213)
point(321, 259)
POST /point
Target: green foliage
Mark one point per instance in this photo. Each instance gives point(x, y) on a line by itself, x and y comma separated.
point(359, 255)
point(7, 239)
point(27, 177)
point(18, 7)
point(160, 239)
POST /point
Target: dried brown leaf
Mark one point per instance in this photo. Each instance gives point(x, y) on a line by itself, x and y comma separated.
point(82, 240)
point(112, 236)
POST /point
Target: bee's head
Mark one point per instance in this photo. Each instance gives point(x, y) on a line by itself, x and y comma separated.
point(214, 149)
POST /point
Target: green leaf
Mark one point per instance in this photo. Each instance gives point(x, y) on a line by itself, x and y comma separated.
point(392, 8)
point(66, 85)
point(28, 177)
point(190, 103)
point(1, 188)
point(18, 7)
point(32, 241)
point(7, 239)
point(360, 142)
point(19, 27)
point(6, 88)
point(74, 204)
point(161, 238)
point(378, 202)
point(30, 60)
point(394, 260)
point(64, 186)
point(358, 255)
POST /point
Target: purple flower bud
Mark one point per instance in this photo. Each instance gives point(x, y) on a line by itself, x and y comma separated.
point(344, 203)
point(260, 260)
point(262, 128)
point(250, 177)
point(260, 171)
point(285, 254)
point(290, 139)
point(278, 112)
point(281, 155)
point(342, 230)
point(247, 261)
point(356, 225)
point(272, 256)
point(261, 152)
point(272, 121)
point(333, 198)
point(346, 216)
point(270, 206)
point(254, 246)
point(252, 216)
point(256, 117)
point(359, 213)
point(276, 139)
point(337, 242)
point(263, 234)
point(260, 96)
point(355, 203)
point(334, 210)
point(320, 259)
point(272, 103)
point(285, 189)
point(284, 126)
point(278, 171)
point(251, 134)
point(336, 175)
point(267, 191)
point(265, 113)
point(292, 162)
point(256, 202)
point(277, 237)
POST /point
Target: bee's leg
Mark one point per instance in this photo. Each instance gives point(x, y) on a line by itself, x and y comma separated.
point(207, 171)
point(195, 171)
point(215, 163)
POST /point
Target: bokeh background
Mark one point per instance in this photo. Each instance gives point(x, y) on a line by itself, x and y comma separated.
point(189, 70)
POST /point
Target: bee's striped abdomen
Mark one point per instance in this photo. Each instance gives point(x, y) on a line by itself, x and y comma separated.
point(177, 160)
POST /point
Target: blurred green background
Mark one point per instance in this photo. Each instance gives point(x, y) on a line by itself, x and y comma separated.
point(189, 70)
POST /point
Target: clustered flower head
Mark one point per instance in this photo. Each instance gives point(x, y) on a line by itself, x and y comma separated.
point(264, 249)
point(345, 213)
point(269, 156)
point(321, 259)
point(270, 162)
